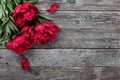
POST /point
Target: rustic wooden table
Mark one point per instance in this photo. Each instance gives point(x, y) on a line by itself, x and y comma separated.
point(87, 47)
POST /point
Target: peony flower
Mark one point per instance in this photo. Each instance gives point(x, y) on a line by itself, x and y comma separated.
point(19, 44)
point(24, 14)
point(25, 63)
point(53, 7)
point(27, 31)
point(45, 32)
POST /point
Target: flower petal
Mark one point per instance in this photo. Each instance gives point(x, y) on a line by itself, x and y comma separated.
point(24, 63)
point(53, 7)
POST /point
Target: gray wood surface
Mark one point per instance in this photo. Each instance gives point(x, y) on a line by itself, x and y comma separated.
point(86, 19)
point(87, 47)
point(86, 29)
point(85, 38)
point(60, 73)
point(82, 4)
point(64, 57)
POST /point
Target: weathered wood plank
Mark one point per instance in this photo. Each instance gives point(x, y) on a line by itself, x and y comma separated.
point(86, 29)
point(64, 57)
point(81, 4)
point(87, 19)
point(85, 38)
point(60, 73)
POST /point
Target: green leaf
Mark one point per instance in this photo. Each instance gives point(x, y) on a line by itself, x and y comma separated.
point(32, 1)
point(1, 22)
point(13, 26)
point(0, 12)
point(10, 7)
point(44, 17)
point(4, 23)
point(4, 7)
point(3, 10)
point(7, 28)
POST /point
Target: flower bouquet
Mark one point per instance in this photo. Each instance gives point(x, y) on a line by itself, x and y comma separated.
point(22, 25)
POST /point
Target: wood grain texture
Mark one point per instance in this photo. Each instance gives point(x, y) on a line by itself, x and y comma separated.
point(60, 73)
point(64, 57)
point(86, 29)
point(81, 4)
point(85, 38)
point(87, 47)
point(86, 19)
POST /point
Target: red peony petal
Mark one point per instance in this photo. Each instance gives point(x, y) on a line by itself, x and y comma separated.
point(24, 63)
point(9, 44)
point(24, 14)
point(45, 32)
point(53, 7)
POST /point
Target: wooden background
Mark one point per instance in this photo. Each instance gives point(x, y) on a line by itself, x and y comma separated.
point(87, 47)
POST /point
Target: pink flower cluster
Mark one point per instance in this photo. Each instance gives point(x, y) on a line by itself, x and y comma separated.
point(40, 34)
point(23, 16)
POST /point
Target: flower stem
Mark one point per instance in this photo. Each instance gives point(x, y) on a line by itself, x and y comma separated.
point(16, 2)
